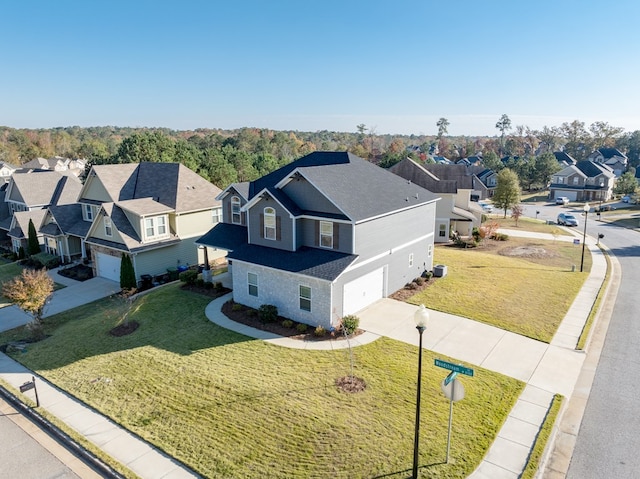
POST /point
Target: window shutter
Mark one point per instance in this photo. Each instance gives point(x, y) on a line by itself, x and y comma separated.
point(316, 240)
point(278, 228)
point(261, 225)
point(336, 235)
point(228, 215)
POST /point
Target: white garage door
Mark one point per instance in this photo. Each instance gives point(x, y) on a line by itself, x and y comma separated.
point(363, 291)
point(108, 266)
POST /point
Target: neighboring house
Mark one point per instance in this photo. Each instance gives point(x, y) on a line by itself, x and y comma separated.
point(6, 170)
point(612, 157)
point(584, 181)
point(455, 211)
point(33, 191)
point(564, 159)
point(19, 228)
point(488, 178)
point(152, 212)
point(57, 163)
point(441, 160)
point(324, 236)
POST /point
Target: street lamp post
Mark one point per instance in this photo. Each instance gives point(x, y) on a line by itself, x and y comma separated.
point(584, 234)
point(421, 318)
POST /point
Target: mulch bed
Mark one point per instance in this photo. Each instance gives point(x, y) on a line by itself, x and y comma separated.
point(408, 291)
point(351, 384)
point(249, 317)
point(79, 272)
point(124, 329)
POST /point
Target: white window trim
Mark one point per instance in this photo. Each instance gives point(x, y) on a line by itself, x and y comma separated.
point(302, 298)
point(326, 235)
point(235, 201)
point(254, 284)
point(271, 227)
point(410, 260)
point(155, 227)
point(216, 215)
point(87, 213)
point(108, 227)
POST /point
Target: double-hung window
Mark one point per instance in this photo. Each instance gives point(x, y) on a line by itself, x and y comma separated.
point(88, 213)
point(108, 229)
point(235, 210)
point(305, 298)
point(216, 215)
point(252, 280)
point(326, 234)
point(155, 227)
point(270, 223)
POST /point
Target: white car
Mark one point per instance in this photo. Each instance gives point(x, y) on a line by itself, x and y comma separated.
point(486, 207)
point(562, 200)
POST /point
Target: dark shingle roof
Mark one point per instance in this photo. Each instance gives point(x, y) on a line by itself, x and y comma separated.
point(360, 189)
point(611, 152)
point(314, 262)
point(224, 236)
point(591, 169)
point(69, 218)
point(561, 156)
point(410, 170)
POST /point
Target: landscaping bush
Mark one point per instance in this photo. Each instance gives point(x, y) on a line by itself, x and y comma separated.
point(287, 323)
point(268, 313)
point(419, 281)
point(500, 237)
point(46, 260)
point(21, 253)
point(427, 275)
point(199, 281)
point(217, 286)
point(411, 285)
point(301, 328)
point(319, 331)
point(208, 285)
point(350, 323)
point(237, 307)
point(189, 276)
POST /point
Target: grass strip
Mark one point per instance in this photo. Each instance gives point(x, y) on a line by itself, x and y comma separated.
point(535, 457)
point(595, 309)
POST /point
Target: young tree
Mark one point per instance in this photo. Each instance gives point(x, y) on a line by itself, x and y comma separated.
point(516, 212)
point(30, 292)
point(507, 192)
point(545, 166)
point(33, 245)
point(127, 273)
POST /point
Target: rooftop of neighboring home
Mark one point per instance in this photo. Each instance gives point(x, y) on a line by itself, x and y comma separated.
point(43, 188)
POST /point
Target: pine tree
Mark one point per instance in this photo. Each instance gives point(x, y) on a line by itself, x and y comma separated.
point(33, 245)
point(127, 274)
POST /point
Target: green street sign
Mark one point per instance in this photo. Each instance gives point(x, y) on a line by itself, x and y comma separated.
point(457, 368)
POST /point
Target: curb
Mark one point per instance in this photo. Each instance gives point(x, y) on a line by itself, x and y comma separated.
point(86, 456)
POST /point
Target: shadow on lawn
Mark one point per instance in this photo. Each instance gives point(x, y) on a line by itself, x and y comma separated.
point(170, 319)
point(408, 471)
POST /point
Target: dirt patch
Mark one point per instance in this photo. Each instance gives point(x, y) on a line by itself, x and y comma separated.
point(351, 384)
point(527, 251)
point(124, 329)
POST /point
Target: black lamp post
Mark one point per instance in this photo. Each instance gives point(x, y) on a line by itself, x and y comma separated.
point(585, 208)
point(421, 318)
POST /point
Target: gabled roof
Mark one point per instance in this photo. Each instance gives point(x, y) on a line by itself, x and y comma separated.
point(171, 184)
point(20, 222)
point(225, 236)
point(609, 153)
point(69, 220)
point(563, 157)
point(592, 169)
point(358, 188)
point(43, 188)
point(412, 171)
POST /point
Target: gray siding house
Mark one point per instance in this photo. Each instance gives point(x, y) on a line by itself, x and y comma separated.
point(324, 236)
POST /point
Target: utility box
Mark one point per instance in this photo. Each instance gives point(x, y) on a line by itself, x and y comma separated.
point(439, 271)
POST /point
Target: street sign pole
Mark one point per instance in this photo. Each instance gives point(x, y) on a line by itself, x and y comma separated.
point(453, 393)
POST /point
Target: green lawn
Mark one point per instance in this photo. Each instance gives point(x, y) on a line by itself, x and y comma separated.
point(229, 406)
point(528, 224)
point(8, 271)
point(528, 296)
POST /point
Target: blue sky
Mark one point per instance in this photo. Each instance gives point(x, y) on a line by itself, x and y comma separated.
point(396, 66)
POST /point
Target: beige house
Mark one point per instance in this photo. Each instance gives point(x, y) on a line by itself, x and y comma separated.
point(152, 212)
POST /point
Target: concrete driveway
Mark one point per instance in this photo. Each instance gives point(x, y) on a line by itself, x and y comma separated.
point(76, 293)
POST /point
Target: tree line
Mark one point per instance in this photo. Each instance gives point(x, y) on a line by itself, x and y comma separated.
point(226, 156)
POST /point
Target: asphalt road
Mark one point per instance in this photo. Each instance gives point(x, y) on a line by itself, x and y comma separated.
point(22, 456)
point(609, 436)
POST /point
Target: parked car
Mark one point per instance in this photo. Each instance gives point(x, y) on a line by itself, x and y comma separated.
point(566, 219)
point(487, 208)
point(562, 200)
point(626, 199)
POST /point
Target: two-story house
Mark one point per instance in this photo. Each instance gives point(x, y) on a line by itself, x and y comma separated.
point(324, 236)
point(611, 157)
point(455, 211)
point(28, 195)
point(152, 212)
point(584, 181)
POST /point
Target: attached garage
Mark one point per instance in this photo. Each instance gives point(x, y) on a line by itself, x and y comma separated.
point(108, 266)
point(362, 292)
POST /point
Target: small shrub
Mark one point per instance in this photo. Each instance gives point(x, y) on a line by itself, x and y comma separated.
point(350, 323)
point(411, 285)
point(268, 313)
point(251, 312)
point(427, 275)
point(217, 286)
point(189, 277)
point(199, 282)
point(419, 281)
point(501, 237)
point(208, 285)
point(287, 323)
point(236, 307)
point(319, 331)
point(21, 253)
point(301, 328)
